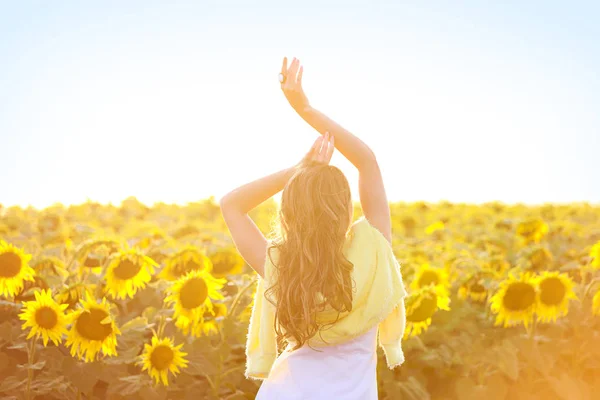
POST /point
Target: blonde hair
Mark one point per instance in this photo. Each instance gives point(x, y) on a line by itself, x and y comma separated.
point(311, 270)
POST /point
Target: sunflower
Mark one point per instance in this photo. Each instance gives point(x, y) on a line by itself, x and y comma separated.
point(160, 357)
point(435, 227)
point(503, 225)
point(93, 254)
point(538, 258)
point(14, 269)
point(226, 261)
point(596, 303)
point(211, 322)
point(427, 275)
point(409, 224)
point(30, 287)
point(50, 266)
point(45, 317)
point(421, 304)
point(71, 295)
point(128, 271)
point(556, 290)
point(515, 301)
point(184, 261)
point(532, 230)
point(498, 264)
point(474, 289)
point(418, 255)
point(246, 312)
point(192, 295)
point(51, 269)
point(50, 221)
point(595, 255)
point(93, 330)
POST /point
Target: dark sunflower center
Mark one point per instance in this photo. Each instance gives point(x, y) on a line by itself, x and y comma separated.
point(91, 262)
point(71, 295)
point(10, 265)
point(519, 296)
point(539, 259)
point(224, 263)
point(127, 270)
point(193, 293)
point(425, 310)
point(477, 288)
point(429, 277)
point(409, 223)
point(191, 265)
point(182, 268)
point(527, 231)
point(497, 265)
point(46, 317)
point(553, 291)
point(90, 327)
point(162, 357)
point(158, 256)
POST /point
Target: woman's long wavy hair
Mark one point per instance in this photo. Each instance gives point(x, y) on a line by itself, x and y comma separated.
point(311, 271)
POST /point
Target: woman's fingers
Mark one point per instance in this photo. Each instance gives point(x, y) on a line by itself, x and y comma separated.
point(324, 146)
point(293, 71)
point(330, 149)
point(322, 149)
point(315, 149)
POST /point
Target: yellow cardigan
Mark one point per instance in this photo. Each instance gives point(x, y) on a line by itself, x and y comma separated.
point(378, 299)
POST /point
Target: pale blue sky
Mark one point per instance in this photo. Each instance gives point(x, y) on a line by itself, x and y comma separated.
point(175, 101)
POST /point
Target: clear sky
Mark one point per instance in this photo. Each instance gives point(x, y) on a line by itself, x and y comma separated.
point(176, 101)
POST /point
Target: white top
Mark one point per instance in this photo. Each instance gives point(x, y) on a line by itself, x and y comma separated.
point(347, 371)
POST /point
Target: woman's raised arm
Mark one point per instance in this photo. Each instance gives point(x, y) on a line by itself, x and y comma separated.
point(371, 188)
point(236, 204)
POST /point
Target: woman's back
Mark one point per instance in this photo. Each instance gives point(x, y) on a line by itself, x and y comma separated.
point(343, 371)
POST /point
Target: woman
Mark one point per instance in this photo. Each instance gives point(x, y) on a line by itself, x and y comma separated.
point(327, 287)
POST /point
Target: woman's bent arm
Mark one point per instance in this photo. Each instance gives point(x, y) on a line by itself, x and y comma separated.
point(372, 193)
point(371, 188)
point(354, 149)
point(235, 205)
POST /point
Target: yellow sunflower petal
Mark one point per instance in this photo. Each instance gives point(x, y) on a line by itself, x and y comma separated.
point(93, 330)
point(14, 269)
point(515, 301)
point(192, 297)
point(556, 290)
point(160, 357)
point(421, 305)
point(45, 318)
point(127, 272)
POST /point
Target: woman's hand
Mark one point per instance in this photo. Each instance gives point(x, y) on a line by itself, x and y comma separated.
point(321, 151)
point(292, 85)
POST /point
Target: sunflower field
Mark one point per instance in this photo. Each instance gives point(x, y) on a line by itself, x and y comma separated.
point(136, 302)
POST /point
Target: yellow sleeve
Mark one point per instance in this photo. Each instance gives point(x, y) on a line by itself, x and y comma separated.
point(261, 343)
point(391, 332)
point(388, 280)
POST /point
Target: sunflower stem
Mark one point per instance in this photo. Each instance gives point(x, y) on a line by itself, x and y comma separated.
point(238, 297)
point(30, 358)
point(234, 369)
point(161, 325)
point(532, 331)
point(590, 287)
point(75, 257)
